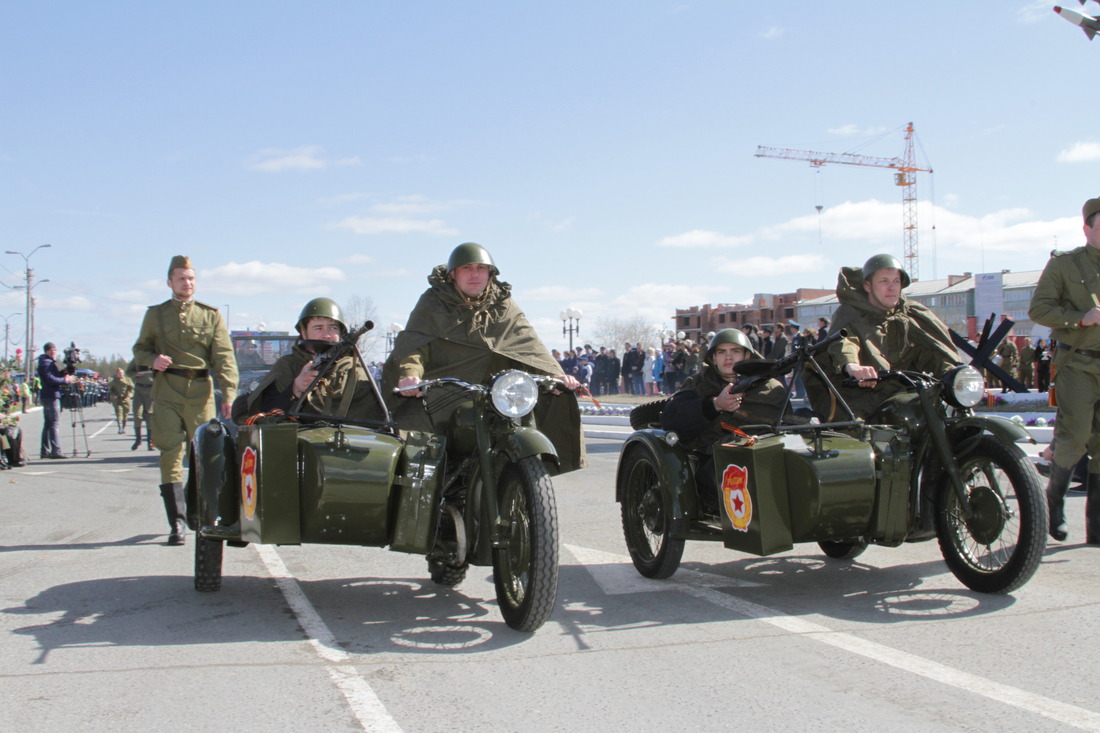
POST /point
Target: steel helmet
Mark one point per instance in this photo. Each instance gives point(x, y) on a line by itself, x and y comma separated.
point(730, 336)
point(321, 307)
point(879, 262)
point(470, 253)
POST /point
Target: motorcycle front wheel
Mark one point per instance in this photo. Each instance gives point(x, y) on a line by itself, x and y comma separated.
point(525, 563)
point(208, 553)
point(647, 517)
point(998, 547)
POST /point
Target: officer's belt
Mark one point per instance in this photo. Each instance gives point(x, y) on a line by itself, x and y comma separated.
point(1082, 352)
point(189, 373)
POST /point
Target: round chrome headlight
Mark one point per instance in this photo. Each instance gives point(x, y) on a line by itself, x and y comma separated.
point(514, 394)
point(964, 386)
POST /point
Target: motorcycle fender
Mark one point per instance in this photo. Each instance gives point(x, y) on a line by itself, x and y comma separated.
point(213, 473)
point(677, 478)
point(524, 442)
point(1001, 428)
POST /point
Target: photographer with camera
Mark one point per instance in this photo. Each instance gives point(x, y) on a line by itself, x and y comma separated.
point(50, 396)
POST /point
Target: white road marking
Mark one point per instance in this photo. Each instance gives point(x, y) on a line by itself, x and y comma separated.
point(364, 703)
point(1055, 710)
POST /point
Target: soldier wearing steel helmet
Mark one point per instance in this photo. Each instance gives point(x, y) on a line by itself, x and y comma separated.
point(705, 403)
point(467, 326)
point(345, 390)
point(885, 330)
point(186, 344)
point(1066, 300)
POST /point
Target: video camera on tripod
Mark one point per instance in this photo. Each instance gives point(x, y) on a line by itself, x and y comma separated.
point(72, 358)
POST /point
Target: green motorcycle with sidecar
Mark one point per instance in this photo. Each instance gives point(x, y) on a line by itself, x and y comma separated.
point(923, 466)
point(477, 492)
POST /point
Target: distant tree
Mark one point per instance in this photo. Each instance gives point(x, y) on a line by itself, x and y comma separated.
point(614, 332)
point(358, 310)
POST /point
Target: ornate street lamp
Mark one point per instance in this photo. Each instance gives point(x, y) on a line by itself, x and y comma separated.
point(572, 317)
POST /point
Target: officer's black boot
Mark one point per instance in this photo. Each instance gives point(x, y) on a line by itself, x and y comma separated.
point(137, 435)
point(1056, 500)
point(176, 509)
point(1092, 510)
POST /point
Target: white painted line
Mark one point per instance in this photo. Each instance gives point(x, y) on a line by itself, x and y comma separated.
point(364, 703)
point(1055, 710)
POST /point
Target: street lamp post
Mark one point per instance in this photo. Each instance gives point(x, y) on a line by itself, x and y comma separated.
point(7, 333)
point(391, 336)
point(572, 317)
point(30, 329)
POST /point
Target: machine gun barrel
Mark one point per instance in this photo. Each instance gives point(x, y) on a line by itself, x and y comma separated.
point(758, 371)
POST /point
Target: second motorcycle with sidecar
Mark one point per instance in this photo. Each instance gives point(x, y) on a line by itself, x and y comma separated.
point(923, 466)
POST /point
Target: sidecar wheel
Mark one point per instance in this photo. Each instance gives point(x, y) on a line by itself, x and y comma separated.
point(647, 520)
point(998, 548)
point(448, 575)
point(525, 564)
point(843, 550)
point(208, 564)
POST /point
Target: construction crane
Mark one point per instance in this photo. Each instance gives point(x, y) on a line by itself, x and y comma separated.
point(904, 170)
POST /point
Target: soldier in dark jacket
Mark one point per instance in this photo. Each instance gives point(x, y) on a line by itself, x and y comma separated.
point(706, 402)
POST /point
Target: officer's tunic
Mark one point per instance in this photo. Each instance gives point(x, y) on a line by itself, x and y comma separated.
point(1063, 295)
point(119, 391)
point(193, 334)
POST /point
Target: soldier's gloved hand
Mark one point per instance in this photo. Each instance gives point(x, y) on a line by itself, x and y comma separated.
point(1091, 318)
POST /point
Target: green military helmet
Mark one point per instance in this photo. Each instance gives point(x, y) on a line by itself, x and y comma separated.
point(879, 262)
point(731, 336)
point(321, 307)
point(471, 253)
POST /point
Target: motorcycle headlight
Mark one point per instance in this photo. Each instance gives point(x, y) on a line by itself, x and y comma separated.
point(514, 394)
point(964, 386)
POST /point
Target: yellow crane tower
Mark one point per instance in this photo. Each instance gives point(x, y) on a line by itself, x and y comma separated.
point(904, 170)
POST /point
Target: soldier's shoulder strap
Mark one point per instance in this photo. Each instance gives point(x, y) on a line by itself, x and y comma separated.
point(1064, 252)
point(200, 304)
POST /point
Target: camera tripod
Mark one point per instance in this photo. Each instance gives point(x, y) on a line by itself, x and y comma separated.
point(72, 399)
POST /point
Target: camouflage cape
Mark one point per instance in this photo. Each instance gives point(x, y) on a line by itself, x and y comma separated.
point(909, 336)
point(449, 336)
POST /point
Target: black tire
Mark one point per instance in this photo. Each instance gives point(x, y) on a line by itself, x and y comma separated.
point(843, 550)
point(525, 566)
point(208, 553)
point(648, 414)
point(208, 564)
point(1000, 547)
point(647, 520)
point(447, 575)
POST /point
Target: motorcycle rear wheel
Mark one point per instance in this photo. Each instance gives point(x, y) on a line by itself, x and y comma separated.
point(208, 553)
point(525, 565)
point(647, 517)
point(843, 550)
point(1000, 546)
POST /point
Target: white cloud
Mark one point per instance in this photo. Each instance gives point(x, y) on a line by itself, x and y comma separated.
point(560, 294)
point(307, 157)
point(1080, 152)
point(368, 225)
point(851, 130)
point(701, 238)
point(772, 32)
point(760, 266)
point(358, 259)
point(258, 278)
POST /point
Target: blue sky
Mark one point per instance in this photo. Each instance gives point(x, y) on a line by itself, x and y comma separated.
point(602, 151)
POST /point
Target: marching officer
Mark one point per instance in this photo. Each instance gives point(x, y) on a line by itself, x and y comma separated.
point(186, 343)
point(1067, 300)
point(142, 378)
point(119, 392)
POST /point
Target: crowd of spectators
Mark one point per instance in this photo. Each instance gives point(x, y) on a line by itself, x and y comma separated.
point(638, 369)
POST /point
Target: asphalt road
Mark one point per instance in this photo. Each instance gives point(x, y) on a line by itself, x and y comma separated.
point(102, 629)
